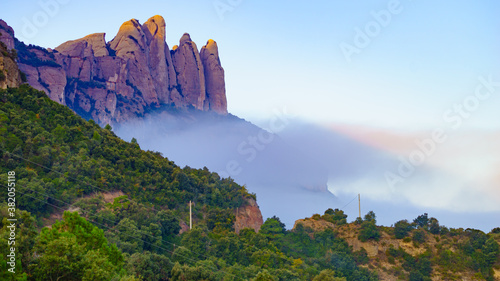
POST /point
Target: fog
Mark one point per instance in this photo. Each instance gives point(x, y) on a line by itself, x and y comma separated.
point(298, 169)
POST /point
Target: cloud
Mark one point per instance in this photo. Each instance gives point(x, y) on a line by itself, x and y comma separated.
point(461, 175)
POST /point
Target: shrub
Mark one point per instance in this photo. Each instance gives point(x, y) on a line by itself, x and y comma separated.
point(419, 236)
point(401, 229)
point(369, 231)
point(495, 230)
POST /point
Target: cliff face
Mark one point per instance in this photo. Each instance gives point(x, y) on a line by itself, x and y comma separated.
point(248, 216)
point(214, 78)
point(9, 72)
point(132, 74)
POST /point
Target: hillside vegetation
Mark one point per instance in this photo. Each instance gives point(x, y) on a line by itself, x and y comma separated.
point(91, 206)
point(418, 250)
point(63, 162)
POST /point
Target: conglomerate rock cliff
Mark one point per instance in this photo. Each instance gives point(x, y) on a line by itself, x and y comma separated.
point(127, 77)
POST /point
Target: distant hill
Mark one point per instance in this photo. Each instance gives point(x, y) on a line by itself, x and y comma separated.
point(417, 250)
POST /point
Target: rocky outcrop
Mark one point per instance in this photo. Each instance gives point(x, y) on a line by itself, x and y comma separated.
point(127, 77)
point(163, 74)
point(214, 78)
point(7, 35)
point(92, 45)
point(190, 73)
point(9, 71)
point(248, 216)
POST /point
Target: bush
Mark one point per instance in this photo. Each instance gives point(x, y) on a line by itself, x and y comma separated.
point(335, 216)
point(401, 229)
point(361, 256)
point(495, 230)
point(369, 231)
point(419, 236)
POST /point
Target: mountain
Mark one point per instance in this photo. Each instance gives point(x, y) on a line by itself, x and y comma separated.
point(174, 101)
point(134, 73)
point(10, 75)
point(126, 209)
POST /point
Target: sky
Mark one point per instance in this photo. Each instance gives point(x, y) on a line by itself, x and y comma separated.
point(385, 73)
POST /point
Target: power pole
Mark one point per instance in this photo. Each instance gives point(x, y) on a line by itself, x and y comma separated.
point(359, 204)
point(190, 216)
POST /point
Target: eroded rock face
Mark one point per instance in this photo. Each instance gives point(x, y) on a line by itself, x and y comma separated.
point(7, 35)
point(214, 78)
point(248, 216)
point(190, 73)
point(130, 75)
point(9, 71)
point(160, 61)
point(93, 45)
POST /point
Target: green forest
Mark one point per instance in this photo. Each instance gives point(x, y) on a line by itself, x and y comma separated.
point(68, 229)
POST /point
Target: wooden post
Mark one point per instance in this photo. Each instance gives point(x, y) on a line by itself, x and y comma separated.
point(359, 204)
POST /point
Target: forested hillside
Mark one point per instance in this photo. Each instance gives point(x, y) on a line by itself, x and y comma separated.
point(63, 162)
point(90, 206)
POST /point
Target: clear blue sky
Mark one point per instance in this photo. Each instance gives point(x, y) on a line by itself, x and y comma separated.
point(287, 53)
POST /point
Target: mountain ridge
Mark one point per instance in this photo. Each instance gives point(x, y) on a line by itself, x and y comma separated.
point(135, 72)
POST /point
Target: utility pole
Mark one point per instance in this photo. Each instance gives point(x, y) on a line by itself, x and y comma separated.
point(190, 216)
point(359, 204)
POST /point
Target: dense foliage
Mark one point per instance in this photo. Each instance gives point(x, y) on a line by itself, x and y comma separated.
point(57, 154)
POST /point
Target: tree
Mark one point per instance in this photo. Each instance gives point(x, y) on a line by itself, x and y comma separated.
point(368, 231)
point(434, 227)
point(96, 136)
point(273, 227)
point(74, 249)
point(370, 216)
point(149, 266)
point(422, 221)
point(401, 229)
point(335, 216)
point(26, 234)
point(264, 276)
point(495, 230)
point(220, 220)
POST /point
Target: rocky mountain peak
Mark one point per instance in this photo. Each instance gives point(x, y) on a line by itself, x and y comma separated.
point(190, 73)
point(130, 39)
point(127, 77)
point(214, 75)
point(185, 38)
point(90, 45)
point(156, 26)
